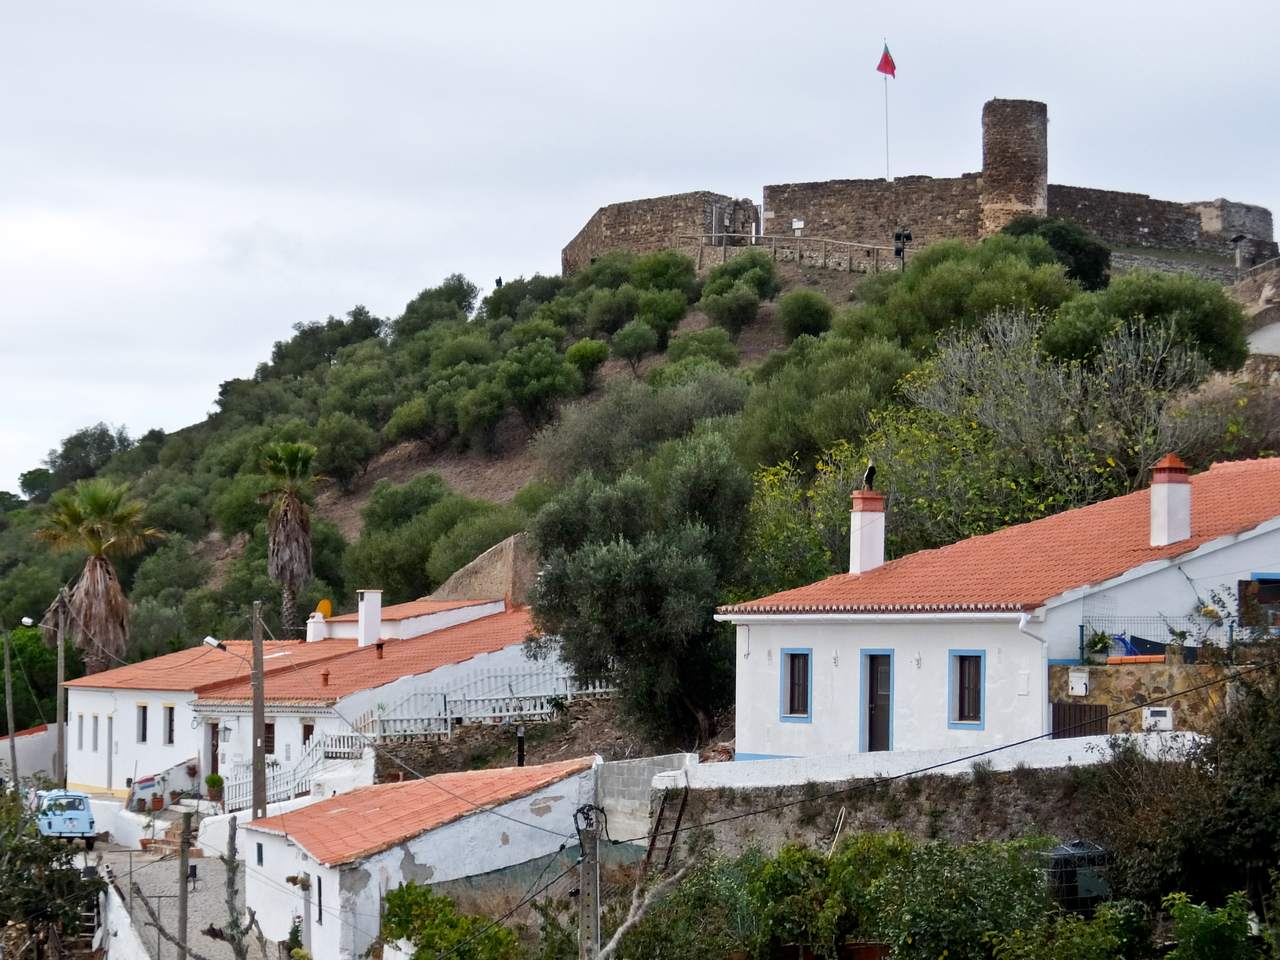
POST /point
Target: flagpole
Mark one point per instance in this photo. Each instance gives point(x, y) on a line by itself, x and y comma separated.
point(887, 175)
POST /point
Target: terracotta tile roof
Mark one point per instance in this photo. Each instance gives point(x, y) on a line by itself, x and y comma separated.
point(413, 608)
point(1021, 567)
point(361, 669)
point(367, 820)
point(198, 668)
point(30, 731)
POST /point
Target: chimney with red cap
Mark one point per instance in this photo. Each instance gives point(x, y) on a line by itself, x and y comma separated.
point(866, 531)
point(1170, 501)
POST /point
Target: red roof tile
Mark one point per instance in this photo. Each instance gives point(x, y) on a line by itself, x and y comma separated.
point(413, 608)
point(361, 669)
point(198, 668)
point(1021, 567)
point(355, 825)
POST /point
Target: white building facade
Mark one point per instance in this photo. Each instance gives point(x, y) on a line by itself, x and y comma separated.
point(950, 648)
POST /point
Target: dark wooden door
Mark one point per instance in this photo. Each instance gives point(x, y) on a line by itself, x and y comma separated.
point(213, 748)
point(1079, 720)
point(879, 701)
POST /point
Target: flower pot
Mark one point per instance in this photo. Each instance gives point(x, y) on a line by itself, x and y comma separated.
point(215, 794)
point(157, 802)
point(140, 805)
point(175, 796)
point(862, 950)
point(192, 770)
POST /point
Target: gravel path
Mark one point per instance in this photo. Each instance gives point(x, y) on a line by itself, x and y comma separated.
point(157, 876)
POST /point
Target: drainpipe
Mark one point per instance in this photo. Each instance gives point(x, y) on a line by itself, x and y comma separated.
point(1023, 627)
point(1082, 644)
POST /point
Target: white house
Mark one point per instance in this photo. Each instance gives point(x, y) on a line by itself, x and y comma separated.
point(136, 721)
point(331, 864)
point(950, 648)
point(329, 710)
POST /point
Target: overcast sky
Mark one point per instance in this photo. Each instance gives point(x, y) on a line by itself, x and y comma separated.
point(180, 183)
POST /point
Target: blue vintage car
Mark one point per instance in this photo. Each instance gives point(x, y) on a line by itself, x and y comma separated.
point(64, 813)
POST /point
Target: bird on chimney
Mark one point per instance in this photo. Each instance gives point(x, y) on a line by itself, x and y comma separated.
point(869, 478)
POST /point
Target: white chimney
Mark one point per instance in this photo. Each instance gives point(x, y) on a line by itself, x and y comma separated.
point(317, 628)
point(369, 628)
point(1170, 501)
point(866, 531)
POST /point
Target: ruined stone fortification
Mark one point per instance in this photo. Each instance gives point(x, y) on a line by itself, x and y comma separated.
point(1014, 180)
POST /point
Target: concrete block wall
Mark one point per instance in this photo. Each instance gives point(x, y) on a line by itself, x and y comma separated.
point(624, 789)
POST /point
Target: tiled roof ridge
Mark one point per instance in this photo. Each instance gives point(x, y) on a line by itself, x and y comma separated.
point(787, 601)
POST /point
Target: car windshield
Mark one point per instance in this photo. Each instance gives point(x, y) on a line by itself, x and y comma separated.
point(63, 804)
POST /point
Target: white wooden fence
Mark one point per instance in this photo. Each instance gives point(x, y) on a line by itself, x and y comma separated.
point(483, 696)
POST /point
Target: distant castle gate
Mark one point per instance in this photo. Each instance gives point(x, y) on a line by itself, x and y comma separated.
point(1205, 236)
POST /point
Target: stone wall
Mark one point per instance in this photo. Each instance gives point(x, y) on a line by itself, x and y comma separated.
point(1015, 161)
point(869, 211)
point(1127, 219)
point(504, 571)
point(1227, 219)
point(641, 226)
point(1119, 685)
point(1222, 271)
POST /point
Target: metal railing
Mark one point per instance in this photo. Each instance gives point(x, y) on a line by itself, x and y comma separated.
point(1272, 264)
point(823, 252)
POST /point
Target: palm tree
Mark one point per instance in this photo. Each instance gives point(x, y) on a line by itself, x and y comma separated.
point(287, 467)
point(98, 517)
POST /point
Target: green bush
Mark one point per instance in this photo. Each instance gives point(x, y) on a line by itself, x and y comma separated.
point(1087, 259)
point(733, 309)
point(713, 343)
point(587, 355)
point(469, 538)
point(755, 268)
point(411, 420)
point(392, 504)
point(662, 310)
point(431, 923)
point(633, 343)
point(664, 270)
point(237, 505)
point(612, 309)
point(1202, 932)
point(805, 312)
point(538, 377)
point(343, 447)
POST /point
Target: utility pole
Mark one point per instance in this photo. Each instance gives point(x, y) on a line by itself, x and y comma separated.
point(184, 851)
point(589, 885)
point(259, 719)
point(8, 708)
point(60, 768)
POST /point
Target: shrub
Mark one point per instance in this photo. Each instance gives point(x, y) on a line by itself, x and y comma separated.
point(713, 343)
point(411, 420)
point(537, 377)
point(587, 355)
point(664, 270)
point(237, 506)
point(733, 309)
point(469, 538)
point(392, 504)
point(662, 310)
point(633, 343)
point(1205, 932)
point(755, 267)
point(611, 310)
point(804, 311)
point(1087, 259)
point(431, 923)
point(343, 447)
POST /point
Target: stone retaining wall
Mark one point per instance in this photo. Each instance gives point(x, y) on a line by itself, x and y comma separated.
point(1120, 685)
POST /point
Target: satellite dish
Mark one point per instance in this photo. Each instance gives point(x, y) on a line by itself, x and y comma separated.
point(325, 608)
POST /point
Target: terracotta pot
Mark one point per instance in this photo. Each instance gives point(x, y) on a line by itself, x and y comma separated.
point(215, 794)
point(157, 802)
point(862, 950)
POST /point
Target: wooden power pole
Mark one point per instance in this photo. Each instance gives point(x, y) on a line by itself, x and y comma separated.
point(259, 719)
point(8, 709)
point(60, 768)
point(184, 854)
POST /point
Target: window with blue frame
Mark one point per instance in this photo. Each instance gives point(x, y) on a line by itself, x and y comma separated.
point(967, 689)
point(797, 684)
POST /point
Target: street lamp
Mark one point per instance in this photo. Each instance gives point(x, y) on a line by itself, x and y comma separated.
point(259, 710)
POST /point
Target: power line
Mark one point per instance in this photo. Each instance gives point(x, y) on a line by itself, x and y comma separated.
point(864, 784)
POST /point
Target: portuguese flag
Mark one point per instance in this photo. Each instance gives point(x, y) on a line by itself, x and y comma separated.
point(887, 66)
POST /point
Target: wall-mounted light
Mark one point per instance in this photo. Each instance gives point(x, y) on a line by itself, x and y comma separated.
point(919, 661)
point(835, 659)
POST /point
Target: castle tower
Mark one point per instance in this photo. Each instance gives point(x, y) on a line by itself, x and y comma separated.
point(1015, 161)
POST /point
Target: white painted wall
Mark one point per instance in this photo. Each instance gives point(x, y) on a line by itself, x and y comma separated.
point(211, 837)
point(35, 753)
point(122, 941)
point(415, 626)
point(1015, 689)
point(89, 770)
point(1042, 754)
point(125, 827)
point(478, 843)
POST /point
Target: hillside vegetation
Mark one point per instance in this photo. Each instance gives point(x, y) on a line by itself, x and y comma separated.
point(664, 475)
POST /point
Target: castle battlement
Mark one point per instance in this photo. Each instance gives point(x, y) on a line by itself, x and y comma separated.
point(1014, 180)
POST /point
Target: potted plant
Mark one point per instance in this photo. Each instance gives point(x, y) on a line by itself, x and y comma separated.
point(140, 805)
point(175, 796)
point(157, 801)
point(213, 782)
point(192, 770)
point(1097, 646)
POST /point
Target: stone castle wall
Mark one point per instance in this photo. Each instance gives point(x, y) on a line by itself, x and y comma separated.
point(1013, 181)
point(869, 211)
point(642, 226)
